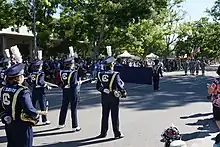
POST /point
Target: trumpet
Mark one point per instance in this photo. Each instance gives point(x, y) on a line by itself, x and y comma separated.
point(32, 120)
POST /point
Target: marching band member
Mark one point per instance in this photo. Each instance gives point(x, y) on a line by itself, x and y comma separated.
point(38, 86)
point(112, 88)
point(16, 109)
point(69, 82)
point(5, 64)
point(36, 80)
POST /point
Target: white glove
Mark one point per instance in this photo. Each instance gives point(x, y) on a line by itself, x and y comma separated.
point(80, 82)
point(48, 87)
point(7, 119)
point(107, 91)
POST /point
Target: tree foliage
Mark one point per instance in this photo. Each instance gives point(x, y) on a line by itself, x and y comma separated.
point(6, 17)
point(139, 26)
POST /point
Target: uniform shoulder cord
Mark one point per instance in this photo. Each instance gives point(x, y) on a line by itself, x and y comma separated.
point(14, 101)
point(112, 80)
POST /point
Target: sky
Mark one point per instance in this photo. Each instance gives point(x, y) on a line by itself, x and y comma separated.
point(195, 8)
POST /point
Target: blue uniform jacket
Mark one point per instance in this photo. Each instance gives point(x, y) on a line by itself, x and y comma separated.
point(16, 103)
point(68, 78)
point(157, 71)
point(37, 79)
point(109, 80)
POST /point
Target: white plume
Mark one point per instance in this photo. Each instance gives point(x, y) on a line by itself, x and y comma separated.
point(7, 53)
point(109, 50)
point(16, 53)
point(39, 55)
point(71, 51)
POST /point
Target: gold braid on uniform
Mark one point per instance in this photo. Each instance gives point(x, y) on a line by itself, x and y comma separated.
point(23, 116)
point(116, 92)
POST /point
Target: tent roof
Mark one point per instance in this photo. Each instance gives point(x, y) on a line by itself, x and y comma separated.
point(152, 55)
point(125, 54)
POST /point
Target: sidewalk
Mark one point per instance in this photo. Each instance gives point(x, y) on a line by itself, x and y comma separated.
point(181, 73)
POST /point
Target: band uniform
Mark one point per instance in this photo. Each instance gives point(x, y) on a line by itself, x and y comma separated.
point(38, 85)
point(112, 88)
point(69, 81)
point(16, 109)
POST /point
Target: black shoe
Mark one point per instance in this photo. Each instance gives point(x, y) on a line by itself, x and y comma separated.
point(120, 136)
point(102, 136)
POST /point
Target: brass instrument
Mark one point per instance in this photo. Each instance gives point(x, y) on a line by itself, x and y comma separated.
point(32, 120)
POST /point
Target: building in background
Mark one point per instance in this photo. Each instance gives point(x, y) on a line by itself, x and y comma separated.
point(22, 37)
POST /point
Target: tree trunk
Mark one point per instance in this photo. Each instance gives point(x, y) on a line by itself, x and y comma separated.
point(100, 40)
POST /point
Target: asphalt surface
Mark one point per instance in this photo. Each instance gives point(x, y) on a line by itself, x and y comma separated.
point(143, 115)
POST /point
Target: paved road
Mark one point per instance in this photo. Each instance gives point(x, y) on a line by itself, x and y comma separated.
point(144, 115)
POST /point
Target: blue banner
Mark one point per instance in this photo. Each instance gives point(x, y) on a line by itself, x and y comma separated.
point(137, 75)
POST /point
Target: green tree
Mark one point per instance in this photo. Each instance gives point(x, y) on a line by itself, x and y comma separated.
point(173, 17)
point(45, 22)
point(215, 11)
point(101, 18)
point(6, 16)
point(201, 34)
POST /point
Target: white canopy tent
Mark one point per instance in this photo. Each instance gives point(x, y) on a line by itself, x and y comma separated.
point(126, 54)
point(152, 56)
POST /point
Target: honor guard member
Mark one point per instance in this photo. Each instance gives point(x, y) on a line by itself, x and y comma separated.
point(16, 109)
point(197, 66)
point(157, 71)
point(69, 82)
point(203, 65)
point(185, 65)
point(112, 88)
point(38, 85)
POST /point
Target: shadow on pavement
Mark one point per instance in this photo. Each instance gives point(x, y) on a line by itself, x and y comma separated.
point(2, 127)
point(52, 133)
point(194, 135)
point(48, 130)
point(175, 91)
point(82, 142)
point(196, 115)
point(206, 127)
point(3, 139)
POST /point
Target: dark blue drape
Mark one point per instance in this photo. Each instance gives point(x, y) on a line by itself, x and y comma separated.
point(137, 75)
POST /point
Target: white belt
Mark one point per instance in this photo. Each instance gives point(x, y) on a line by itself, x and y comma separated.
point(67, 86)
point(38, 86)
